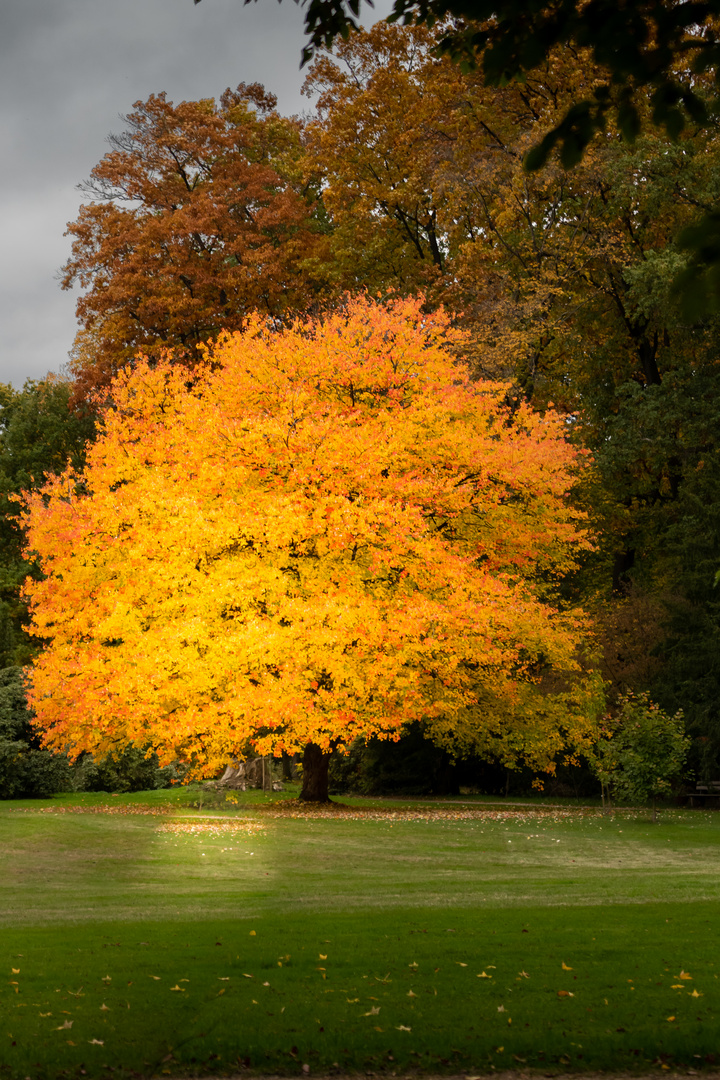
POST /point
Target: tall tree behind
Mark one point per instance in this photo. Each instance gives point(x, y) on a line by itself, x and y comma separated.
point(40, 435)
point(564, 279)
point(198, 215)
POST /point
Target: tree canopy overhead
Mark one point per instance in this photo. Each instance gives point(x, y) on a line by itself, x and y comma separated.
point(330, 533)
point(662, 46)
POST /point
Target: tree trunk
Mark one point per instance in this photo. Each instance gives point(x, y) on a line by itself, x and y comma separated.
point(315, 774)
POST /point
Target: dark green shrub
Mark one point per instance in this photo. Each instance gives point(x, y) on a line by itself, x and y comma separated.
point(26, 770)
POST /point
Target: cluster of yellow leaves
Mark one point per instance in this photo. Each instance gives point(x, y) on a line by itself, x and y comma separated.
point(329, 533)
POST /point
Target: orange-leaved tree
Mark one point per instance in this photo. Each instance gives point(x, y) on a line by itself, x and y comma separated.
point(329, 533)
point(198, 215)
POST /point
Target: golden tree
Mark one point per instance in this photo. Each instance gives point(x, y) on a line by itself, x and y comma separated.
point(330, 533)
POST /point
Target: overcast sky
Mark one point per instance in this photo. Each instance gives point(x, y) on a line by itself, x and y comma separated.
point(68, 70)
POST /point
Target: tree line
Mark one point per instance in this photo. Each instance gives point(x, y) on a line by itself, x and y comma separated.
point(408, 180)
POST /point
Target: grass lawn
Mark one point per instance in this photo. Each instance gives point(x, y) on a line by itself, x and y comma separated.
point(140, 934)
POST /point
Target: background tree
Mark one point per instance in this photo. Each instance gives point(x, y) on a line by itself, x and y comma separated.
point(197, 216)
point(330, 534)
point(40, 434)
point(564, 283)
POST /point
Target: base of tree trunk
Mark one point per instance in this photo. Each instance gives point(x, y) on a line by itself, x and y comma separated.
point(315, 774)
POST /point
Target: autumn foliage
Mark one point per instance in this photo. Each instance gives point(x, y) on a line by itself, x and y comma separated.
point(330, 533)
point(197, 215)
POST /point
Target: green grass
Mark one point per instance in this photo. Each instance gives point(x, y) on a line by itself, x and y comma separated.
point(344, 914)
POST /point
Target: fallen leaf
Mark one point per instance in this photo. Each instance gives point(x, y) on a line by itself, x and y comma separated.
point(65, 1026)
point(501, 1008)
point(221, 991)
point(155, 977)
point(104, 1008)
point(684, 975)
point(374, 1010)
point(352, 1001)
point(484, 975)
point(96, 1042)
point(460, 963)
point(323, 956)
point(565, 967)
point(564, 993)
point(180, 988)
point(694, 994)
point(671, 1018)
point(15, 971)
point(410, 994)
point(223, 978)
point(677, 986)
point(252, 934)
point(402, 1027)
point(107, 978)
point(46, 1014)
point(248, 976)
point(523, 975)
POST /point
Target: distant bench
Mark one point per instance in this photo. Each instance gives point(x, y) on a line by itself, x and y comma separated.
point(711, 790)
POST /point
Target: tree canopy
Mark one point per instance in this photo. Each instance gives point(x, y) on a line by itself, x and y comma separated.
point(662, 46)
point(196, 216)
point(330, 532)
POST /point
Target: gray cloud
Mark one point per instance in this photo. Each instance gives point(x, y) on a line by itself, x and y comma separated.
point(68, 70)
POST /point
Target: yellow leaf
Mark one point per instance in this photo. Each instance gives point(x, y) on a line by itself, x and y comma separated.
point(523, 975)
point(155, 977)
point(694, 994)
point(460, 963)
point(104, 1008)
point(374, 1010)
point(96, 1042)
point(323, 956)
point(252, 934)
point(410, 994)
point(402, 1027)
point(684, 975)
point(484, 975)
point(671, 1018)
point(180, 988)
point(65, 1026)
point(353, 1001)
point(565, 967)
point(15, 971)
point(677, 986)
